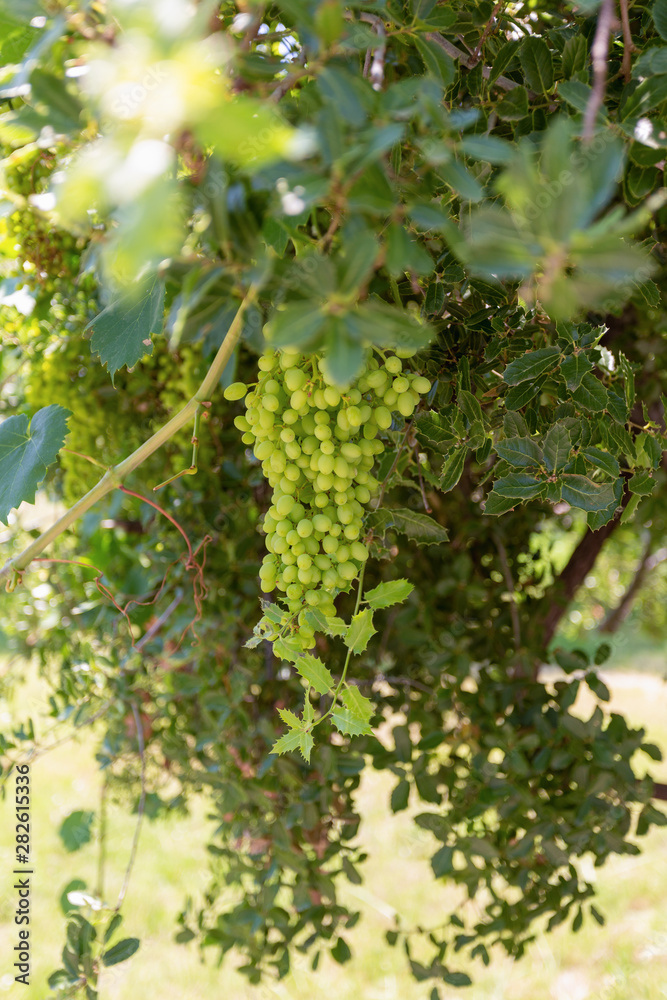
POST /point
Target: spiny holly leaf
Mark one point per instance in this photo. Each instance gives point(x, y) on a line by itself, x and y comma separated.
point(351, 725)
point(452, 469)
point(360, 631)
point(27, 449)
point(287, 649)
point(358, 704)
point(557, 447)
point(521, 452)
point(531, 365)
point(573, 370)
point(388, 593)
point(306, 744)
point(330, 626)
point(313, 670)
point(579, 491)
point(422, 529)
point(519, 486)
point(122, 331)
point(290, 741)
point(290, 719)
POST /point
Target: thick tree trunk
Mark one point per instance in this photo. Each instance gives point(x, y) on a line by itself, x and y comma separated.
point(580, 564)
point(617, 616)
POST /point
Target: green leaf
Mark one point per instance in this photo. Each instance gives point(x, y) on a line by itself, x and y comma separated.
point(344, 354)
point(290, 719)
point(496, 505)
point(519, 486)
point(422, 529)
point(113, 926)
point(659, 15)
point(290, 741)
point(520, 451)
point(27, 449)
point(488, 148)
point(120, 952)
point(470, 406)
point(360, 631)
point(602, 460)
point(297, 325)
point(357, 703)
point(461, 181)
point(341, 952)
point(531, 365)
point(581, 492)
point(75, 829)
point(436, 60)
point(349, 724)
point(400, 796)
point(452, 468)
point(557, 447)
point(591, 394)
point(384, 325)
point(306, 744)
point(537, 64)
point(442, 861)
point(388, 593)
point(574, 368)
point(456, 979)
point(313, 670)
point(122, 332)
point(641, 483)
point(330, 626)
point(514, 105)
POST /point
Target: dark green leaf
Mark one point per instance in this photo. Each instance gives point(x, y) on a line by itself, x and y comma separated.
point(75, 829)
point(297, 325)
point(422, 529)
point(122, 331)
point(120, 952)
point(400, 796)
point(531, 365)
point(602, 460)
point(557, 447)
point(521, 452)
point(591, 394)
point(27, 449)
point(452, 469)
point(642, 483)
point(514, 105)
point(488, 148)
point(518, 486)
point(573, 369)
point(537, 64)
point(579, 491)
point(441, 862)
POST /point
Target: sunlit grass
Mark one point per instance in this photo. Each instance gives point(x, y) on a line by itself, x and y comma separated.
point(625, 960)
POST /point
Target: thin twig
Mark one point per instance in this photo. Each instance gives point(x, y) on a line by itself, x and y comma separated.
point(102, 856)
point(509, 583)
point(375, 71)
point(628, 45)
point(159, 622)
point(490, 24)
point(468, 60)
point(599, 55)
point(140, 809)
point(427, 506)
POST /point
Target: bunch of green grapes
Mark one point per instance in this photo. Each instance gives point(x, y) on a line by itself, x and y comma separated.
point(318, 444)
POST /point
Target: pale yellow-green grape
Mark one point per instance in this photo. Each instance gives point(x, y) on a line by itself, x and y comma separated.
point(317, 445)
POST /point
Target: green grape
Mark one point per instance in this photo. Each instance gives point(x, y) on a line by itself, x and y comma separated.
point(317, 445)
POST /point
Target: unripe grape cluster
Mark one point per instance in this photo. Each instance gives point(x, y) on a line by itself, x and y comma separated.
point(318, 444)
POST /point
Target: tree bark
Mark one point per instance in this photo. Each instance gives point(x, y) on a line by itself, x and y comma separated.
point(580, 564)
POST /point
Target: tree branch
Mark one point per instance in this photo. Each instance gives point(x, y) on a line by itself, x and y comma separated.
point(599, 55)
point(113, 478)
point(580, 564)
point(645, 566)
